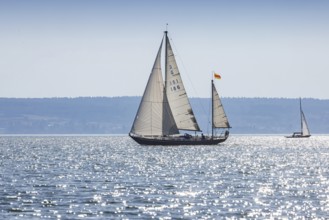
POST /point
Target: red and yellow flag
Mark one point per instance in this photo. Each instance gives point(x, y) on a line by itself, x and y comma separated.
point(217, 76)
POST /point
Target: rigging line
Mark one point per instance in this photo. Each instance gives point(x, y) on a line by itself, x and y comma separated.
point(187, 74)
point(209, 125)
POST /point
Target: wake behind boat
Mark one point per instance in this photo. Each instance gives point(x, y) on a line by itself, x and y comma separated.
point(165, 109)
point(305, 132)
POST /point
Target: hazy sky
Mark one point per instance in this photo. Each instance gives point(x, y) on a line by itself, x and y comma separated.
point(107, 48)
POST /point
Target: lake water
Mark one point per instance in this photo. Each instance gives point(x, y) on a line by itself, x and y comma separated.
point(105, 177)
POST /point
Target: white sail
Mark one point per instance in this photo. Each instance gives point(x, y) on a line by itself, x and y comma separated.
point(219, 117)
point(305, 130)
point(177, 97)
point(154, 117)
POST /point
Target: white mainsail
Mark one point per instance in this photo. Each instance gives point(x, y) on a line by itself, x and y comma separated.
point(154, 117)
point(305, 130)
point(219, 117)
point(177, 97)
point(304, 127)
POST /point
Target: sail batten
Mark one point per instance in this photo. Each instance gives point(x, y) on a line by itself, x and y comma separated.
point(176, 93)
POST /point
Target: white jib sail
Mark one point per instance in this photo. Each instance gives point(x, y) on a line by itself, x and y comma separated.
point(305, 130)
point(154, 117)
point(220, 119)
point(177, 97)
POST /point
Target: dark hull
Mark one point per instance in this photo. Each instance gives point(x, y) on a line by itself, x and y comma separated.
point(299, 136)
point(177, 141)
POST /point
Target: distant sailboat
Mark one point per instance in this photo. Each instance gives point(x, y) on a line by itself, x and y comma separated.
point(305, 132)
point(165, 109)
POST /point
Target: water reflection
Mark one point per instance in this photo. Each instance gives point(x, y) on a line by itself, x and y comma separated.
point(113, 177)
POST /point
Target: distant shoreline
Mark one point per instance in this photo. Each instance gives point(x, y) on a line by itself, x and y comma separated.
point(114, 116)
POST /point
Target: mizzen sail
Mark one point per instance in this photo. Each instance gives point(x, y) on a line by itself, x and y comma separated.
point(220, 119)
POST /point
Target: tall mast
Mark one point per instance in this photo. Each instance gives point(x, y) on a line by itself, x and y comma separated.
point(166, 56)
point(212, 109)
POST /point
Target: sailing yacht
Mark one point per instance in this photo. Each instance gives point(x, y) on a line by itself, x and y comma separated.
point(305, 132)
point(165, 111)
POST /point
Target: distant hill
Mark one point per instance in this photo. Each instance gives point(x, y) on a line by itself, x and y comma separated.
point(103, 115)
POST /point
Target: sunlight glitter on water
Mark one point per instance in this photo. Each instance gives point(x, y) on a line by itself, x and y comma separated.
point(113, 177)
